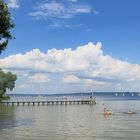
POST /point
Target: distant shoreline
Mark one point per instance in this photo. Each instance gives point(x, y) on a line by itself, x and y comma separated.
point(98, 95)
point(66, 94)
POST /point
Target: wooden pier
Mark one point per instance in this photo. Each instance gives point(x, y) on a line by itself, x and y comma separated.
point(33, 103)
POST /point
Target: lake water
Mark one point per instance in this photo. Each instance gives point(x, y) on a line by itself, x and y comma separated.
point(71, 122)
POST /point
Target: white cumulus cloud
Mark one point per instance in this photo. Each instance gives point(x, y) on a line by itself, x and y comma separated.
point(55, 60)
point(85, 66)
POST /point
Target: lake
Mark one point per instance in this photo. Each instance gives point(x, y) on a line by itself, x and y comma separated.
point(71, 122)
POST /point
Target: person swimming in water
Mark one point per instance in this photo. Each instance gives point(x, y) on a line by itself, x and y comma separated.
point(107, 112)
point(130, 112)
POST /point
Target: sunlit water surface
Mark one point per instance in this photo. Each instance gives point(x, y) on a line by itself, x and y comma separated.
point(71, 122)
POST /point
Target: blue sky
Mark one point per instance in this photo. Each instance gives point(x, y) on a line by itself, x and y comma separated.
point(63, 24)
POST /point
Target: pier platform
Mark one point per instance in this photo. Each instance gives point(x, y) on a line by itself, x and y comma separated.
point(53, 102)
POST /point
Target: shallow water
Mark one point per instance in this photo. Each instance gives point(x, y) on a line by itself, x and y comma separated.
point(71, 122)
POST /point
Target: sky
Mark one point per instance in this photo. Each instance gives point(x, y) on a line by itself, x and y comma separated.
point(68, 46)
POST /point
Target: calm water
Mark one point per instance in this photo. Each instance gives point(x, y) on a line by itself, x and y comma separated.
point(71, 122)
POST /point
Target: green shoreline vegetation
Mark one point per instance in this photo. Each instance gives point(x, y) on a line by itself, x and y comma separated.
point(7, 82)
point(7, 79)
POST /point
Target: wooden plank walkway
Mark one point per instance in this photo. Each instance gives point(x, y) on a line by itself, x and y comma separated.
point(67, 102)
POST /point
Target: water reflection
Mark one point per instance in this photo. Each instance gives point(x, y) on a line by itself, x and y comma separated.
point(7, 117)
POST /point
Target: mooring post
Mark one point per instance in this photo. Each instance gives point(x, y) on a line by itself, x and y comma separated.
point(12, 103)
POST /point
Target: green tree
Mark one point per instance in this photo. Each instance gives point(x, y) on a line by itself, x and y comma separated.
point(7, 82)
point(5, 25)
